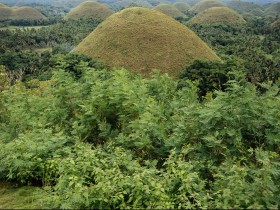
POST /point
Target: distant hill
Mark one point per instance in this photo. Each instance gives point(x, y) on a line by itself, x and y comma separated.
point(88, 10)
point(182, 7)
point(243, 7)
point(130, 3)
point(169, 10)
point(273, 9)
point(205, 4)
point(3, 5)
point(20, 13)
point(221, 15)
point(142, 39)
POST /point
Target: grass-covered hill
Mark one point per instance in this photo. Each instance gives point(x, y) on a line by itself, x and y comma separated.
point(122, 4)
point(2, 5)
point(221, 15)
point(273, 9)
point(20, 13)
point(5, 13)
point(169, 10)
point(183, 7)
point(205, 4)
point(89, 9)
point(142, 39)
point(243, 7)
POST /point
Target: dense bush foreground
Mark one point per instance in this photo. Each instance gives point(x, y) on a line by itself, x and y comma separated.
point(115, 140)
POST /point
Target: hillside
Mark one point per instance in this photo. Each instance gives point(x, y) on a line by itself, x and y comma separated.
point(276, 25)
point(142, 39)
point(88, 10)
point(118, 5)
point(5, 13)
point(273, 9)
point(221, 15)
point(169, 10)
point(243, 7)
point(20, 13)
point(182, 7)
point(205, 4)
point(2, 5)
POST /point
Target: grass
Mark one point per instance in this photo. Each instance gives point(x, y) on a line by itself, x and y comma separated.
point(169, 10)
point(13, 197)
point(183, 7)
point(221, 15)
point(88, 10)
point(141, 39)
point(20, 13)
point(205, 4)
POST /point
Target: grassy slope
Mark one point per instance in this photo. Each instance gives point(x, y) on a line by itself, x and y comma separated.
point(205, 4)
point(20, 13)
point(12, 197)
point(222, 15)
point(89, 10)
point(142, 39)
point(183, 7)
point(169, 10)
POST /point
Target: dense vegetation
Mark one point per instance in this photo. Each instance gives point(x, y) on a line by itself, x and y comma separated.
point(76, 134)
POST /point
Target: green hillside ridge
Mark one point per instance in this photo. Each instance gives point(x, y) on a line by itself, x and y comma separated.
point(182, 7)
point(20, 13)
point(3, 5)
point(169, 10)
point(205, 4)
point(88, 10)
point(244, 7)
point(142, 39)
point(221, 15)
point(130, 3)
point(273, 9)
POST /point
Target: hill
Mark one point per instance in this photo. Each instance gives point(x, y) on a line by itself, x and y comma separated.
point(182, 7)
point(205, 4)
point(20, 13)
point(273, 9)
point(221, 15)
point(3, 5)
point(26, 13)
point(88, 10)
point(243, 7)
point(119, 5)
point(142, 39)
point(5, 13)
point(169, 10)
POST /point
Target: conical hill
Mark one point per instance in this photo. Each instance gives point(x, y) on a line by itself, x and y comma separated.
point(205, 4)
point(89, 9)
point(20, 13)
point(170, 10)
point(221, 15)
point(141, 39)
point(183, 7)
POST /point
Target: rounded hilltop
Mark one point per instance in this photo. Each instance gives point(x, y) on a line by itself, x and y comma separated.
point(205, 4)
point(141, 39)
point(119, 5)
point(169, 10)
point(89, 10)
point(221, 15)
point(182, 7)
point(20, 13)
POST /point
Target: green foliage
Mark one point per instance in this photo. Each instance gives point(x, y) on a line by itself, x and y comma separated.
point(210, 75)
point(111, 139)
